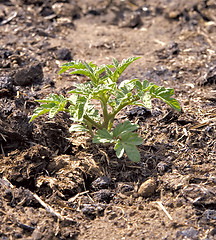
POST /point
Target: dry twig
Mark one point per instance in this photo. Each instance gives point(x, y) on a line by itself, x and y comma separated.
point(164, 209)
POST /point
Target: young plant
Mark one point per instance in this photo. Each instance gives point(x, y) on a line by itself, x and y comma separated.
point(112, 98)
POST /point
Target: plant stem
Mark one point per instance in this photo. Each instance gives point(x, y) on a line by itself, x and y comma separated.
point(124, 105)
point(97, 125)
point(89, 126)
point(103, 101)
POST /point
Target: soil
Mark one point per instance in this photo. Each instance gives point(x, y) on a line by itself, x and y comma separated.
point(56, 185)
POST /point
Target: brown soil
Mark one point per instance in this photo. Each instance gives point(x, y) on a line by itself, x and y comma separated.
point(54, 185)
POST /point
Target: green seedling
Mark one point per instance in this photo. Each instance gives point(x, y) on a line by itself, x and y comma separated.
point(103, 88)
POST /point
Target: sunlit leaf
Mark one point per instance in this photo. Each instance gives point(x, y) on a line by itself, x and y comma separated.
point(102, 136)
point(77, 128)
point(165, 95)
point(121, 128)
point(119, 149)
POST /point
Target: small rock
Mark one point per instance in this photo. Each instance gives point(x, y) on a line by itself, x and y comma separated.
point(147, 188)
point(63, 54)
point(101, 183)
point(66, 10)
point(162, 167)
point(139, 112)
point(46, 11)
point(104, 195)
point(190, 233)
point(173, 15)
point(28, 75)
point(213, 232)
point(88, 209)
point(6, 87)
point(92, 210)
point(208, 77)
point(131, 20)
point(126, 189)
point(37, 234)
point(210, 214)
point(8, 195)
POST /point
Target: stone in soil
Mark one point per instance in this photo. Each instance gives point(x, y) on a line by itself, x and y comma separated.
point(92, 210)
point(28, 75)
point(147, 188)
point(101, 183)
point(63, 54)
point(104, 195)
point(189, 233)
point(6, 87)
point(126, 189)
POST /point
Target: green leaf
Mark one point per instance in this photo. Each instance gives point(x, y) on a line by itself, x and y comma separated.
point(89, 67)
point(126, 62)
point(131, 138)
point(72, 99)
point(127, 86)
point(165, 95)
point(54, 104)
point(39, 111)
point(119, 149)
point(121, 67)
point(138, 85)
point(146, 99)
point(93, 113)
point(127, 140)
point(115, 62)
point(146, 85)
point(124, 95)
point(78, 128)
point(109, 72)
point(96, 92)
point(132, 152)
point(73, 64)
point(130, 149)
point(86, 69)
point(81, 107)
point(102, 136)
point(121, 128)
point(100, 70)
point(53, 111)
point(83, 89)
point(82, 72)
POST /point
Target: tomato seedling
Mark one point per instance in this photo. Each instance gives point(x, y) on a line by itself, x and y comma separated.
point(112, 97)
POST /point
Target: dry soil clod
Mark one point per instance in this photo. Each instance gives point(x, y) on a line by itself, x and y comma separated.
point(147, 188)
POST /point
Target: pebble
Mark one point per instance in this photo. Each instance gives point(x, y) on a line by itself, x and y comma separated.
point(213, 232)
point(92, 210)
point(173, 14)
point(131, 20)
point(28, 75)
point(104, 195)
point(66, 9)
point(8, 195)
point(101, 183)
point(210, 214)
point(63, 54)
point(6, 87)
point(190, 233)
point(126, 189)
point(147, 188)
